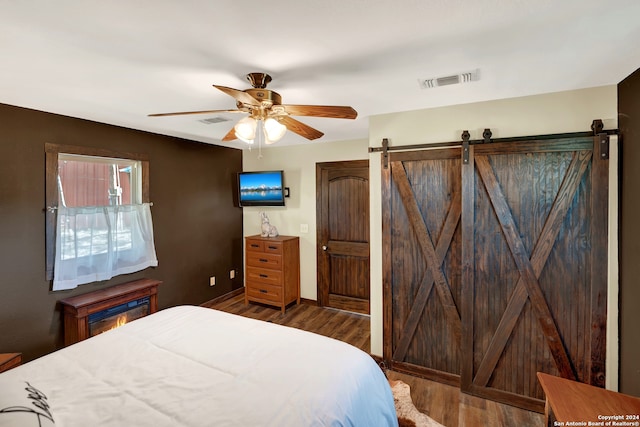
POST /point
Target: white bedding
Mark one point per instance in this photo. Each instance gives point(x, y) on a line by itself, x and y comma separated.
point(193, 366)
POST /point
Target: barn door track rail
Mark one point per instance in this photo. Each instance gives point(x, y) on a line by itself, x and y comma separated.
point(597, 129)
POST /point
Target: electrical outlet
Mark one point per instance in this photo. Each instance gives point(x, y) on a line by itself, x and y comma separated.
point(232, 274)
point(212, 281)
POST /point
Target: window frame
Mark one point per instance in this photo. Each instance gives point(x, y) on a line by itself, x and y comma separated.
point(51, 187)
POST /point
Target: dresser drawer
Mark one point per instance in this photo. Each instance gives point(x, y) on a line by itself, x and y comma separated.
point(263, 291)
point(255, 246)
point(273, 247)
point(263, 275)
point(264, 260)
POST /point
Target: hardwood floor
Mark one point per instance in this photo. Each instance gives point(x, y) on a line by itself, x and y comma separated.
point(348, 327)
point(443, 403)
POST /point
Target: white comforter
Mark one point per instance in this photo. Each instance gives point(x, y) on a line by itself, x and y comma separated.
point(192, 366)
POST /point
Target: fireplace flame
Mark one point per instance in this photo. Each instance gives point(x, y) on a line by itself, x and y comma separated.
point(117, 319)
point(121, 320)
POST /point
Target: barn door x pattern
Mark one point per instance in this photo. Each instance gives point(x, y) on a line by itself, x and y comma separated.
point(495, 264)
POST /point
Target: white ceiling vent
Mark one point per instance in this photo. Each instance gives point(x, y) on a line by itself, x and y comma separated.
point(454, 79)
point(214, 120)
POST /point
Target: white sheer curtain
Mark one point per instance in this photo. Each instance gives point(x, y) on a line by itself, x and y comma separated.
point(97, 243)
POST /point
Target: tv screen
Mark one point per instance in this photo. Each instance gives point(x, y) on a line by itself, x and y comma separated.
point(261, 188)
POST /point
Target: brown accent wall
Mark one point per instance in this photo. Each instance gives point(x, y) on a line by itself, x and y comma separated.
point(629, 124)
point(198, 230)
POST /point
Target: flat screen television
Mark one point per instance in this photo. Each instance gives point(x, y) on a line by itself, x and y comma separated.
point(264, 188)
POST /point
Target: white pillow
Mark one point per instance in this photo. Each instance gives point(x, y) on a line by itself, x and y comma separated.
point(23, 405)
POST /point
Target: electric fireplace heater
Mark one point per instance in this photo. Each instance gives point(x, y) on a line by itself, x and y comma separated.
point(96, 312)
point(118, 315)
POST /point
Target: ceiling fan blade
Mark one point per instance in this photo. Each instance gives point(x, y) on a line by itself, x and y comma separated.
point(300, 128)
point(338, 112)
point(231, 135)
point(182, 113)
point(239, 95)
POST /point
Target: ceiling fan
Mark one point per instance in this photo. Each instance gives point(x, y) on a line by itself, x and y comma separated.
point(268, 114)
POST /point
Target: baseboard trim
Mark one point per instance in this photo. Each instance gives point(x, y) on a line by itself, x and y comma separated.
point(308, 301)
point(221, 298)
point(240, 291)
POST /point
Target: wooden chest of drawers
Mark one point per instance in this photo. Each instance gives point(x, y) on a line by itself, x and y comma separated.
point(272, 274)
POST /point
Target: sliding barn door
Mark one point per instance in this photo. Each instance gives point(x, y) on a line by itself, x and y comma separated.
point(422, 239)
point(497, 265)
point(535, 251)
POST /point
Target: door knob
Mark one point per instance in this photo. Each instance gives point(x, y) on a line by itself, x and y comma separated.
point(324, 247)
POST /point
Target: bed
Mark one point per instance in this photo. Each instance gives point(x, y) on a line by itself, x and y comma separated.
point(194, 366)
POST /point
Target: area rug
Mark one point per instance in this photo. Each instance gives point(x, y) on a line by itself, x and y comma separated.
point(408, 414)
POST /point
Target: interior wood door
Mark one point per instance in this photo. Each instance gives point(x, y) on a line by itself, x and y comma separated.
point(342, 190)
point(534, 278)
point(494, 266)
point(421, 255)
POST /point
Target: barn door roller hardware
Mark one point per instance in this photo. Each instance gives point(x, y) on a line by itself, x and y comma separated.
point(385, 153)
point(487, 134)
point(465, 147)
point(486, 139)
point(598, 131)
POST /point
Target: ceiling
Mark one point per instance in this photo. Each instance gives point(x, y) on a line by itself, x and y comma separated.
point(117, 61)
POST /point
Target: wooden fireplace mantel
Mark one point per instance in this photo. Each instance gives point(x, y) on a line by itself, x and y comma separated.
point(78, 308)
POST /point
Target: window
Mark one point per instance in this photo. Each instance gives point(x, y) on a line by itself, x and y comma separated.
point(98, 181)
point(98, 215)
point(89, 181)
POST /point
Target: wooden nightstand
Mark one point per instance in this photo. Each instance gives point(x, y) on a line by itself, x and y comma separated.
point(9, 360)
point(568, 400)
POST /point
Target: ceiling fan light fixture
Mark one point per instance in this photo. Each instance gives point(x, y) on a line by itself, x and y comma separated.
point(245, 129)
point(268, 119)
point(273, 130)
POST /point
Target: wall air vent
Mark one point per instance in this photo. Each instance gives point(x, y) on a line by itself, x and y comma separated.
point(454, 79)
point(213, 120)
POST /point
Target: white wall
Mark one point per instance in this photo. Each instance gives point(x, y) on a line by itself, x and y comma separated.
point(299, 166)
point(562, 112)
